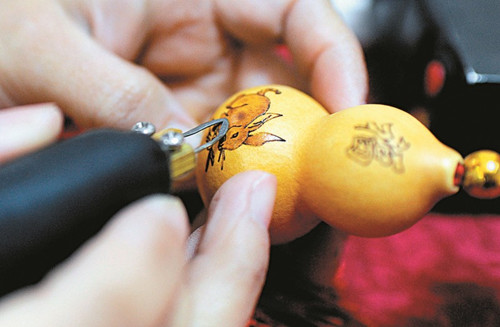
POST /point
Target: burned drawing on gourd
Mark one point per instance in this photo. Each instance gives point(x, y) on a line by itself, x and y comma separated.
point(375, 142)
point(246, 114)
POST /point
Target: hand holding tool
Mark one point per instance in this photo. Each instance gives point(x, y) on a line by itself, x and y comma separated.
point(53, 200)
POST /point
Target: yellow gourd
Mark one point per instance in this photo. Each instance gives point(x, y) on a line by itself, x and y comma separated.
point(371, 170)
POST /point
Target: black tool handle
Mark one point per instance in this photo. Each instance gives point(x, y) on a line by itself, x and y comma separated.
point(53, 200)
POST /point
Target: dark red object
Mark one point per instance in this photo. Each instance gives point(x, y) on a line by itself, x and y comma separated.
point(459, 174)
point(434, 78)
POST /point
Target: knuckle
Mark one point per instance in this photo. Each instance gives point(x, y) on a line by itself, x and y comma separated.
point(249, 258)
point(127, 99)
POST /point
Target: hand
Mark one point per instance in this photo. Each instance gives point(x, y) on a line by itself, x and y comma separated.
point(116, 62)
point(28, 128)
point(136, 271)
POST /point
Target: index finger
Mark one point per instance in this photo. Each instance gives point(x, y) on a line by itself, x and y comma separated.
point(323, 48)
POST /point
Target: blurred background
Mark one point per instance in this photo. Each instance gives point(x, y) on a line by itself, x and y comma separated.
point(440, 61)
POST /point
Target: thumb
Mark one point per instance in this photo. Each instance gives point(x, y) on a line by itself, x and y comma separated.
point(126, 276)
point(54, 60)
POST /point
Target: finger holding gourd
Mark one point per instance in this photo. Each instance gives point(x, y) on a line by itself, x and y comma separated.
point(267, 127)
point(370, 170)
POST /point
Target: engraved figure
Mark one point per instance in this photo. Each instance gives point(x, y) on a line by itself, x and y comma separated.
point(378, 142)
point(246, 114)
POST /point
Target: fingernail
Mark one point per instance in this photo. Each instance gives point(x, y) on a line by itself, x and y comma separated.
point(177, 125)
point(20, 121)
point(262, 196)
point(193, 140)
point(29, 126)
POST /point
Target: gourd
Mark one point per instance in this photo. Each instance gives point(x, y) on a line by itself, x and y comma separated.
point(371, 170)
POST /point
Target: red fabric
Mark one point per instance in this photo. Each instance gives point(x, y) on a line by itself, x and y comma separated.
point(390, 281)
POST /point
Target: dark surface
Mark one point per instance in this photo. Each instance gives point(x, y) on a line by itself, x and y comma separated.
point(53, 200)
point(463, 36)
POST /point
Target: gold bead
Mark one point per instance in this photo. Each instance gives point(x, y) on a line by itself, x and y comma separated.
point(482, 174)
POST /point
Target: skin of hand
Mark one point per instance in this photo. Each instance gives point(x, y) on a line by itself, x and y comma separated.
point(136, 271)
point(116, 62)
point(25, 129)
